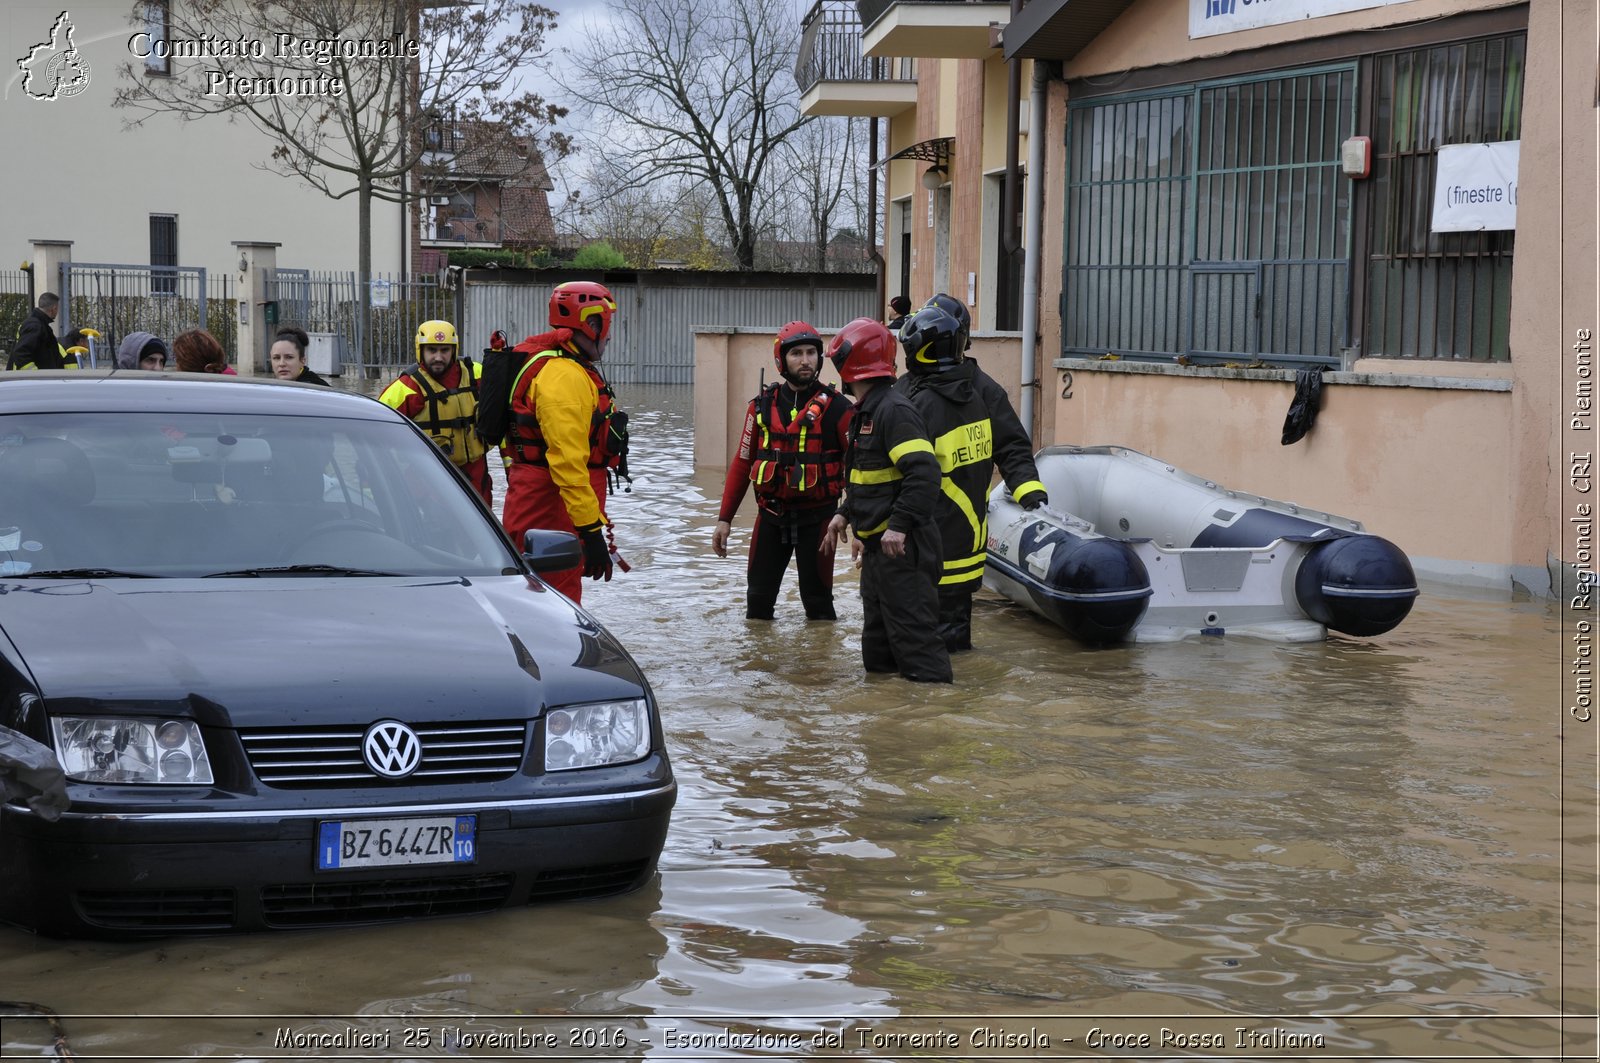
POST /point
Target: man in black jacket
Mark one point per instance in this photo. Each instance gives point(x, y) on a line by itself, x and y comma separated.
point(973, 428)
point(36, 346)
point(891, 481)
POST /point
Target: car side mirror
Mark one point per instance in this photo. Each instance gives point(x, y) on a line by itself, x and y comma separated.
point(551, 551)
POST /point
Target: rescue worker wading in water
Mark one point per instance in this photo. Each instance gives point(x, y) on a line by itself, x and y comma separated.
point(792, 452)
point(440, 393)
point(567, 436)
point(892, 480)
point(974, 428)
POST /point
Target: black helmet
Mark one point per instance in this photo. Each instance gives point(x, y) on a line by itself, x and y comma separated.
point(932, 339)
point(958, 310)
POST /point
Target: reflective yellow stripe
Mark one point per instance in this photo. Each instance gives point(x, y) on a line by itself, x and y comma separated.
point(875, 476)
point(959, 499)
point(862, 533)
point(1025, 489)
point(967, 562)
point(805, 482)
point(910, 446)
point(961, 577)
point(966, 444)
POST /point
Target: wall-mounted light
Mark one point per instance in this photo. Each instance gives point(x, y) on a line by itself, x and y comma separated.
point(933, 177)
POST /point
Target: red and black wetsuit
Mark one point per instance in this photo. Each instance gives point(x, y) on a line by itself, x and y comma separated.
point(792, 452)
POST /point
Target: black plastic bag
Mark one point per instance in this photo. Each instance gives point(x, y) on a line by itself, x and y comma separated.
point(30, 771)
point(1303, 410)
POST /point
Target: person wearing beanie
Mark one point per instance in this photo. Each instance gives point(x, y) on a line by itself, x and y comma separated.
point(901, 305)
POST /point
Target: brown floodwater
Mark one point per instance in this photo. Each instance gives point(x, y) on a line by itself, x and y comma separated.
point(1222, 847)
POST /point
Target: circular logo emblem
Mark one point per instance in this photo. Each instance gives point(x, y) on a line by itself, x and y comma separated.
point(391, 749)
point(68, 72)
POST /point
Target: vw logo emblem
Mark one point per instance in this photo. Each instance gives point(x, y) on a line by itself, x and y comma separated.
point(391, 749)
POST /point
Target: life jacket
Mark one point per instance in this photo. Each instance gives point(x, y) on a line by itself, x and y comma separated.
point(449, 413)
point(608, 427)
point(796, 461)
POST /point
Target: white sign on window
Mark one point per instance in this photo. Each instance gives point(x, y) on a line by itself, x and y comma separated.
point(1477, 187)
point(1207, 18)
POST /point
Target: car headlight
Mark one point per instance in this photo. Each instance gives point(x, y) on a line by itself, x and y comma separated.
point(589, 736)
point(127, 750)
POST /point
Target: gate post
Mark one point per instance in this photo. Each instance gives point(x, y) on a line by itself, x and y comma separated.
point(258, 261)
point(48, 258)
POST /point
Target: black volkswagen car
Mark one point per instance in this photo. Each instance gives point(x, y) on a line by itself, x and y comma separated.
point(294, 672)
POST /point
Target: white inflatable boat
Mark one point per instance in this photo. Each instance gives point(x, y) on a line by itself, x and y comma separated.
point(1131, 548)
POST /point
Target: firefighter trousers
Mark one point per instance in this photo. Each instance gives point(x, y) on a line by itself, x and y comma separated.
point(901, 609)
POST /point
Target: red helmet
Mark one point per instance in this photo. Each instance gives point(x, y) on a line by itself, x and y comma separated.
point(577, 304)
point(862, 350)
point(794, 334)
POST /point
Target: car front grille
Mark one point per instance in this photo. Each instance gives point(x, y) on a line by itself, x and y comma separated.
point(176, 909)
point(327, 904)
point(311, 757)
point(586, 881)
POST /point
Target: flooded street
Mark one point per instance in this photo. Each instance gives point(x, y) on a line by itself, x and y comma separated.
point(1075, 850)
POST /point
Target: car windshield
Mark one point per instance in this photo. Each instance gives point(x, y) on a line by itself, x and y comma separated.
point(188, 494)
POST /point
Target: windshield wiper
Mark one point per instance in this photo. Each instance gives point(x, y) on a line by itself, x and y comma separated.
point(88, 573)
point(300, 570)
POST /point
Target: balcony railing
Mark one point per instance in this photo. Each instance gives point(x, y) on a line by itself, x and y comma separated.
point(830, 49)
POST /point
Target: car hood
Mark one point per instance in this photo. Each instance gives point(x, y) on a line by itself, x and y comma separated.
point(274, 651)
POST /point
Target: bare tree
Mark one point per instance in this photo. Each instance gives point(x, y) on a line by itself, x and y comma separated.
point(347, 88)
point(825, 190)
point(700, 92)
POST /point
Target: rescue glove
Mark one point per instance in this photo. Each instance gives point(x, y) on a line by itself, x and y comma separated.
point(1035, 500)
point(596, 554)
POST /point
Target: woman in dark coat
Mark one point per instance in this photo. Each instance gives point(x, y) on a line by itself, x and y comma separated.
point(288, 356)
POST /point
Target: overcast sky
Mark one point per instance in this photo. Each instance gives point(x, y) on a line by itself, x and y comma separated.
point(576, 22)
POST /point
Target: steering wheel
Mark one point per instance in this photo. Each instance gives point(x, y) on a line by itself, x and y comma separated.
point(341, 524)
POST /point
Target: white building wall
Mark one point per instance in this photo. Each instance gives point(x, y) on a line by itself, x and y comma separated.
point(73, 172)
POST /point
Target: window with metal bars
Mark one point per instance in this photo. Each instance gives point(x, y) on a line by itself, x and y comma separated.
point(1437, 295)
point(163, 252)
point(1211, 221)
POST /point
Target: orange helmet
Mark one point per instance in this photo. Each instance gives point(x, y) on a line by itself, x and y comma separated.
point(794, 334)
point(583, 306)
point(862, 350)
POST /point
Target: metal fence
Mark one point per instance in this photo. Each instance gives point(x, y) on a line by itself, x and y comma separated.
point(652, 335)
point(165, 300)
point(14, 305)
point(330, 302)
point(652, 340)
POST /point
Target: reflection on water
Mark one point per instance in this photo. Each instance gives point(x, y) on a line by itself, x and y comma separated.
point(1210, 828)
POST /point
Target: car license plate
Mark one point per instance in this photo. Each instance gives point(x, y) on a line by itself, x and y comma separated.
point(356, 843)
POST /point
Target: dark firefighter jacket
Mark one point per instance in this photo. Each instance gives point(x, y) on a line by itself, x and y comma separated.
point(891, 475)
point(973, 428)
point(36, 346)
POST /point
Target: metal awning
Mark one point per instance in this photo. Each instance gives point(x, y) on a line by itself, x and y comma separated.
point(936, 151)
point(1058, 29)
